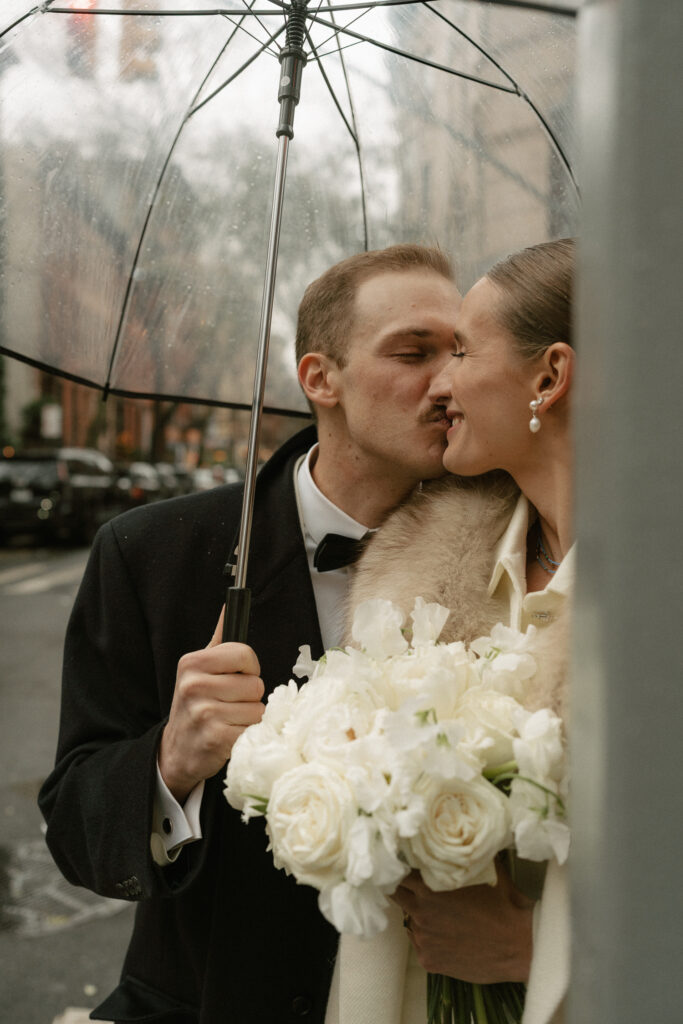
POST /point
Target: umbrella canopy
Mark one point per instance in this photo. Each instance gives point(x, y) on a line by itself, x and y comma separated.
point(138, 159)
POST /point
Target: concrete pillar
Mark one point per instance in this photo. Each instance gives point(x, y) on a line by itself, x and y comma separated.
point(627, 719)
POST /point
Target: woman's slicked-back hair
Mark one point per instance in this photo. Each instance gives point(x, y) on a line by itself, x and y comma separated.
point(535, 287)
point(326, 312)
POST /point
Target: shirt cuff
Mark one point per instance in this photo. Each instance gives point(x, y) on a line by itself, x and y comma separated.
point(174, 826)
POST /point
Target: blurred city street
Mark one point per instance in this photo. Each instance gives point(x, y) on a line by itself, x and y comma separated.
point(61, 947)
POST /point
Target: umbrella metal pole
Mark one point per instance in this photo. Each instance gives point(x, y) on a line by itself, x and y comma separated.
point(292, 61)
point(238, 597)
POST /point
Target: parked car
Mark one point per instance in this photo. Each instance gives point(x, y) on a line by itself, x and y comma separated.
point(138, 484)
point(58, 493)
point(184, 477)
point(168, 479)
point(203, 479)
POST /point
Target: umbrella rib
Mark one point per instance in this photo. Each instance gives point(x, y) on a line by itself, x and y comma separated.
point(554, 139)
point(413, 57)
point(239, 71)
point(536, 5)
point(335, 33)
point(129, 284)
point(331, 91)
point(518, 90)
point(229, 18)
point(532, 5)
point(352, 130)
point(357, 142)
point(243, 15)
point(41, 9)
point(155, 396)
point(473, 42)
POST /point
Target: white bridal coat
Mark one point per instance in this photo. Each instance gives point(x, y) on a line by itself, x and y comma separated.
point(469, 541)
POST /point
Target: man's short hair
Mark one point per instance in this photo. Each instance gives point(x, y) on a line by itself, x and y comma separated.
point(326, 312)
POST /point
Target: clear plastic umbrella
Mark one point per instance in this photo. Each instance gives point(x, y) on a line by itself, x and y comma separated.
point(142, 189)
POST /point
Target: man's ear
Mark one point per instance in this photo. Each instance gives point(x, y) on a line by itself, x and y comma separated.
point(318, 378)
point(554, 378)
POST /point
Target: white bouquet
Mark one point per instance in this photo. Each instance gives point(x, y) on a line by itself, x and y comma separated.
point(403, 754)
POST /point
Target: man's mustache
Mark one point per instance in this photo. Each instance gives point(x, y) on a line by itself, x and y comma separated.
point(435, 414)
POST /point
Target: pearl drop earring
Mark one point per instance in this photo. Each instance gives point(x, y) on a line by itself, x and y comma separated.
point(534, 422)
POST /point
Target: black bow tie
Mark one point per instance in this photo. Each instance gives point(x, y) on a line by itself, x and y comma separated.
point(335, 551)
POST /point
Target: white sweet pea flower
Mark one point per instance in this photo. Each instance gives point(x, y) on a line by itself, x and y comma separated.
point(428, 622)
point(355, 910)
point(304, 665)
point(539, 750)
point(377, 628)
point(310, 814)
point(259, 757)
point(506, 658)
point(369, 782)
point(373, 855)
point(433, 678)
point(466, 825)
point(408, 728)
point(489, 720)
point(420, 743)
point(447, 756)
point(538, 822)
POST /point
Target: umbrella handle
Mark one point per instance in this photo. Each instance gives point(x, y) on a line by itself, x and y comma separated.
point(236, 621)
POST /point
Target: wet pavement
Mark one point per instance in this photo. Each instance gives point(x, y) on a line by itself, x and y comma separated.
point(61, 947)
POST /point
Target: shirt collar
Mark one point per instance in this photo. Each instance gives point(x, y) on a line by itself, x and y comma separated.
point(511, 555)
point(319, 515)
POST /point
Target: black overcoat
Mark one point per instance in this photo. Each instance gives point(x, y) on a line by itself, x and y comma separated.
point(221, 936)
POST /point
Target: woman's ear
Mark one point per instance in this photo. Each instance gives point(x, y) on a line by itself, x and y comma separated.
point(317, 376)
point(555, 373)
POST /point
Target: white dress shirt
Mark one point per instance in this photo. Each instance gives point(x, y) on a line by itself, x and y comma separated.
point(174, 825)
point(319, 516)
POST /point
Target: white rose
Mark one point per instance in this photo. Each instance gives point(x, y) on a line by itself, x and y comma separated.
point(310, 813)
point(490, 721)
point(330, 714)
point(280, 705)
point(466, 825)
point(258, 758)
point(377, 628)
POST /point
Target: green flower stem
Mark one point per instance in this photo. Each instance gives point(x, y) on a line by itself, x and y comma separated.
point(450, 1001)
point(506, 770)
point(480, 1014)
point(506, 775)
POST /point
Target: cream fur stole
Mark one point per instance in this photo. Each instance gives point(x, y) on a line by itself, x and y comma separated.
point(440, 545)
